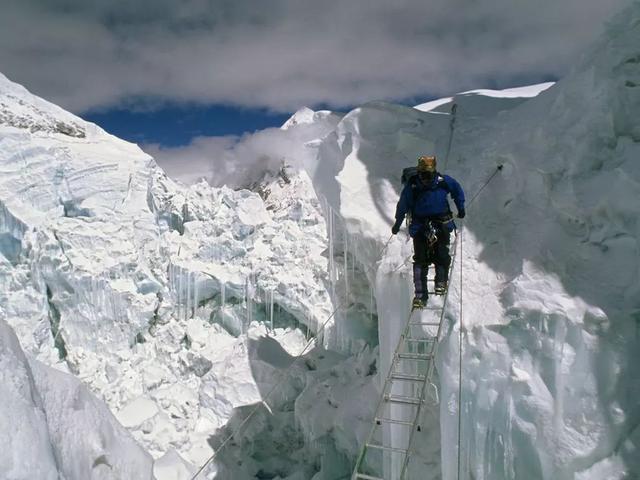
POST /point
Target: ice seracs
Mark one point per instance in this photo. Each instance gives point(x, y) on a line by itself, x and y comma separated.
point(144, 289)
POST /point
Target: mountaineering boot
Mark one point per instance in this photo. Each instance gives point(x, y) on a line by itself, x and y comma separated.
point(420, 301)
point(441, 288)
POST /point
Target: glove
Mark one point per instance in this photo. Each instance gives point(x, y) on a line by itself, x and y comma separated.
point(396, 228)
point(461, 213)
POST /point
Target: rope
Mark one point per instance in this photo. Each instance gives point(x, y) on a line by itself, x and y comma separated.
point(273, 389)
point(460, 369)
point(385, 247)
point(451, 129)
point(461, 330)
point(498, 168)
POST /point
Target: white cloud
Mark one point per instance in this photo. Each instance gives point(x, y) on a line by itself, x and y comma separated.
point(237, 161)
point(282, 54)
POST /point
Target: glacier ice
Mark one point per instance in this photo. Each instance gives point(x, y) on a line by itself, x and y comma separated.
point(181, 306)
point(118, 275)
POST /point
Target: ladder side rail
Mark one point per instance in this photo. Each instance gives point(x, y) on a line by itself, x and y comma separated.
point(430, 369)
point(388, 381)
point(434, 346)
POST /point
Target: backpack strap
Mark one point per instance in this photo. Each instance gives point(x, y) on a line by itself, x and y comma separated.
point(442, 183)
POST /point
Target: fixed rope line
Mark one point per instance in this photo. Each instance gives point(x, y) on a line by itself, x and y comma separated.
point(273, 389)
point(498, 169)
point(461, 329)
point(385, 247)
point(452, 125)
point(460, 368)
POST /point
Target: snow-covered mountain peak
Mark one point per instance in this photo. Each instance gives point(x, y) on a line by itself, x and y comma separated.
point(306, 116)
point(21, 109)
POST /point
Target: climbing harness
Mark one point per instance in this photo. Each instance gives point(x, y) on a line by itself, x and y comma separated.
point(498, 169)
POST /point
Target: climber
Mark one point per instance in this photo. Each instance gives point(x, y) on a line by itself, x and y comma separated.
point(424, 199)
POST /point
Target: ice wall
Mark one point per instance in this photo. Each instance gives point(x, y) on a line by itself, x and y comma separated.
point(550, 262)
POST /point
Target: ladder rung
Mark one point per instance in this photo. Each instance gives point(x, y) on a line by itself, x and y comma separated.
point(391, 420)
point(389, 449)
point(414, 356)
point(367, 477)
point(408, 377)
point(402, 399)
point(433, 324)
point(420, 340)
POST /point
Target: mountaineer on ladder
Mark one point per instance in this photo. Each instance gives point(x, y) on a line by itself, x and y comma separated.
point(424, 200)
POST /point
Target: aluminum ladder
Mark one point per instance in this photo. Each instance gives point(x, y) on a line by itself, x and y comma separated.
point(387, 450)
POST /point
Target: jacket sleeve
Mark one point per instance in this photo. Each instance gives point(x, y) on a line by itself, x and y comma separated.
point(404, 204)
point(456, 192)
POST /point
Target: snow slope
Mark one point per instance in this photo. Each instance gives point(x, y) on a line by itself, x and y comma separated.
point(52, 427)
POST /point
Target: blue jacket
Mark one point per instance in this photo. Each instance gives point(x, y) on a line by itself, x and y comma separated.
point(423, 201)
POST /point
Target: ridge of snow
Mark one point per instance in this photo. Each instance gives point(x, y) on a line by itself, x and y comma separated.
point(511, 98)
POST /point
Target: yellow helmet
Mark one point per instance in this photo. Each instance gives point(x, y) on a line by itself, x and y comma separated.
point(427, 163)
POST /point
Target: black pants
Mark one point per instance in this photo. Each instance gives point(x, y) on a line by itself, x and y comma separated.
point(424, 255)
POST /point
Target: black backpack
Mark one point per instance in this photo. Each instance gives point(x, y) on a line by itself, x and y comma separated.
point(410, 175)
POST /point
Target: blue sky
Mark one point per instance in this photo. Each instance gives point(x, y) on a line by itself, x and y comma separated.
point(177, 125)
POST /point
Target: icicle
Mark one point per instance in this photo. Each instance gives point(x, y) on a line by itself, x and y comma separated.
point(346, 266)
point(371, 303)
point(222, 295)
point(330, 235)
point(248, 303)
point(180, 285)
point(271, 308)
point(102, 301)
point(188, 301)
point(354, 259)
point(251, 300)
point(196, 296)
